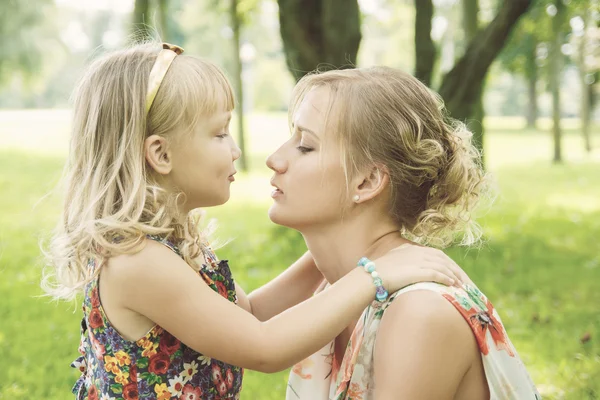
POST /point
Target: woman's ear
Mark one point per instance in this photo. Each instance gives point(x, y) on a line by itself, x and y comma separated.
point(158, 155)
point(371, 183)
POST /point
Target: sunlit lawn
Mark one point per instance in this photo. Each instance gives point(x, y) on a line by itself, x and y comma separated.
point(540, 264)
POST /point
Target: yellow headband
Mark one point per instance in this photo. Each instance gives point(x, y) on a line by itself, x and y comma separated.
point(159, 70)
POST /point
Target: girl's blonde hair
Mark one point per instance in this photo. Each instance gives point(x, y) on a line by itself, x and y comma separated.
point(384, 117)
point(112, 198)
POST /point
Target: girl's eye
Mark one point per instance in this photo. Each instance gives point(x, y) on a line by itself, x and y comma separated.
point(223, 135)
point(304, 149)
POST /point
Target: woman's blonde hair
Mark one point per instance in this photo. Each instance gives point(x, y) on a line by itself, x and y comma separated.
point(384, 117)
point(112, 198)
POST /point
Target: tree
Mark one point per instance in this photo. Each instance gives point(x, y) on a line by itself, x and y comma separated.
point(163, 12)
point(319, 33)
point(462, 86)
point(236, 23)
point(143, 19)
point(25, 32)
point(586, 36)
point(472, 67)
point(471, 27)
point(425, 62)
point(519, 56)
point(557, 11)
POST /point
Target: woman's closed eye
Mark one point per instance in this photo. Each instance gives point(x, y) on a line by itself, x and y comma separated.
point(304, 149)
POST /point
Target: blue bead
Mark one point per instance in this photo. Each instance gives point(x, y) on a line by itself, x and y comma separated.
point(382, 296)
point(363, 261)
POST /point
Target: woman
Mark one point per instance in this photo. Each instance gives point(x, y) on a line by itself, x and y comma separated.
point(373, 164)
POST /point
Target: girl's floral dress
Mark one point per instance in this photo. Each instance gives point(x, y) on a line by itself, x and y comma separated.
point(321, 377)
point(157, 366)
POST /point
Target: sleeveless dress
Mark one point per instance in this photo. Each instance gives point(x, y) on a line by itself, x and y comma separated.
point(157, 366)
point(321, 377)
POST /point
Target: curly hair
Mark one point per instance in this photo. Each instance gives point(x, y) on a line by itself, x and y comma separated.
point(385, 117)
point(112, 199)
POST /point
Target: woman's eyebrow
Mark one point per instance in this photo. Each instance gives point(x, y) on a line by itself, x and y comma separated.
point(303, 129)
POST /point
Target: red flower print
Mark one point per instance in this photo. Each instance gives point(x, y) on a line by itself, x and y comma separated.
point(98, 348)
point(95, 319)
point(93, 393)
point(222, 388)
point(168, 343)
point(229, 378)
point(133, 374)
point(130, 391)
point(216, 374)
point(95, 298)
point(191, 393)
point(481, 322)
point(221, 288)
point(159, 363)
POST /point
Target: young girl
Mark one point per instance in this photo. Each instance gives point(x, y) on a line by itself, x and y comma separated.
point(163, 317)
point(395, 167)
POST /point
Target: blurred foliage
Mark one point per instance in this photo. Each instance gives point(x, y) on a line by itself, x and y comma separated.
point(27, 29)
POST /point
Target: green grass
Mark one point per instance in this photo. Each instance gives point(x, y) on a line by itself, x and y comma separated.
point(540, 264)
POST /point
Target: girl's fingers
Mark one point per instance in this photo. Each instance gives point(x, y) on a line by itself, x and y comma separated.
point(446, 270)
point(433, 275)
point(440, 256)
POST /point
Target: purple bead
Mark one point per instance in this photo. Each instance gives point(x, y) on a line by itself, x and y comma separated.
point(381, 294)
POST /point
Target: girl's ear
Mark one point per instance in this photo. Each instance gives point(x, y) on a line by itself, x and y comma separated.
point(158, 155)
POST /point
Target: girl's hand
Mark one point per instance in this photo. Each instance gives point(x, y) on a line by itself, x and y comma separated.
point(410, 264)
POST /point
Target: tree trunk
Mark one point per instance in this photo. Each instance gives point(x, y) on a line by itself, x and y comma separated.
point(470, 11)
point(163, 18)
point(555, 73)
point(475, 123)
point(319, 33)
point(424, 47)
point(532, 77)
point(141, 20)
point(238, 83)
point(461, 98)
point(585, 91)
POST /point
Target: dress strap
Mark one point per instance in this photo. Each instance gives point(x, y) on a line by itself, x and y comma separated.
point(166, 242)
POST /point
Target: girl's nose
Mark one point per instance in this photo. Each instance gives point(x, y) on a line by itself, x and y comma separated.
point(235, 151)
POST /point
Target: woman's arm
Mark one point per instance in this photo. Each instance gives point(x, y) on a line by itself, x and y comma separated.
point(423, 349)
point(159, 285)
point(294, 285)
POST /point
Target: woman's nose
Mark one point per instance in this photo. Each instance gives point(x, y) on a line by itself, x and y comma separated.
point(277, 162)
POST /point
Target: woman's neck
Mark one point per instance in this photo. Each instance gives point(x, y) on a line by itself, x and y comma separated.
point(337, 248)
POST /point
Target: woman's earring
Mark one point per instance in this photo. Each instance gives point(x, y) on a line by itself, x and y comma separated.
point(356, 198)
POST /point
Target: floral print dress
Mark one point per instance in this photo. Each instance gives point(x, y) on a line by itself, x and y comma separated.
point(157, 366)
point(321, 377)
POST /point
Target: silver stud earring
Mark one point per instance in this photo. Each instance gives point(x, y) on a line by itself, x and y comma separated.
point(356, 198)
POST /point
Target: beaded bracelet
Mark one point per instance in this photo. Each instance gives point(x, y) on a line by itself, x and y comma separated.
point(380, 293)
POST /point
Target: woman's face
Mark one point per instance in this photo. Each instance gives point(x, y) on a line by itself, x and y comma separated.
point(309, 180)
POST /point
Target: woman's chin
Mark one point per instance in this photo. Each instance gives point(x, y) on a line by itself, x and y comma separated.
point(277, 217)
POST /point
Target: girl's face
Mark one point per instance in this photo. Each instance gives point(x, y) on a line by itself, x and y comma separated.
point(202, 162)
point(309, 180)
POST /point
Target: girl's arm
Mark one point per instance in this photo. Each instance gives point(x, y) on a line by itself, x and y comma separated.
point(294, 285)
point(300, 281)
point(159, 285)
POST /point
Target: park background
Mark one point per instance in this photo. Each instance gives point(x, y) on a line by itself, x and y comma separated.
point(527, 69)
